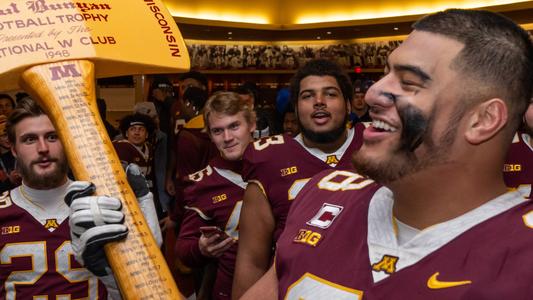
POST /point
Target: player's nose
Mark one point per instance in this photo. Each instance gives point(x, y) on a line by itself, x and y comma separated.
point(42, 145)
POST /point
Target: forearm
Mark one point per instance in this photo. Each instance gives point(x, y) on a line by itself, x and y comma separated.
point(248, 271)
point(255, 240)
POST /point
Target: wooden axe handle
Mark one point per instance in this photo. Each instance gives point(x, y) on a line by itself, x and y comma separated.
point(66, 92)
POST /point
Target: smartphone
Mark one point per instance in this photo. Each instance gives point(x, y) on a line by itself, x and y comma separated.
point(210, 230)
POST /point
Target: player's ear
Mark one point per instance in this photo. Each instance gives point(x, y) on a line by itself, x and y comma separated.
point(348, 107)
point(13, 151)
point(486, 120)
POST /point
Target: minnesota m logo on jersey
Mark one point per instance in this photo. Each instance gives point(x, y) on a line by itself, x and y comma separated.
point(51, 223)
point(332, 160)
point(387, 264)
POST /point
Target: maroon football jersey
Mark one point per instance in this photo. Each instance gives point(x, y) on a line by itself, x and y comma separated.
point(38, 264)
point(214, 199)
point(141, 156)
point(324, 251)
point(518, 167)
point(282, 166)
point(193, 150)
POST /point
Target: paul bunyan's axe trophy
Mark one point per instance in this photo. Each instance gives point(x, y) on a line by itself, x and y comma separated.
point(54, 49)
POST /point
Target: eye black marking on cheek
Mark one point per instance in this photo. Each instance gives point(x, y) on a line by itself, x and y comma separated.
point(414, 127)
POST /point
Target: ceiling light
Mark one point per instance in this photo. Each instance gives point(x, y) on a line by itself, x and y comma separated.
point(329, 32)
point(230, 33)
point(396, 28)
point(318, 38)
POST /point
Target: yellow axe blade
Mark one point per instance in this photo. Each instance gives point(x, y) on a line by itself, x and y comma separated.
point(54, 49)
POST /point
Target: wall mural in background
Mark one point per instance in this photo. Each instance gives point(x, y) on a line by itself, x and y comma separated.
point(287, 57)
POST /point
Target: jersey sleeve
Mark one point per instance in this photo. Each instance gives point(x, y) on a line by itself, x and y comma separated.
point(187, 248)
point(260, 161)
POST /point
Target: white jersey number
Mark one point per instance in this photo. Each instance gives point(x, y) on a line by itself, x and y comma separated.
point(232, 227)
point(36, 251)
point(344, 181)
point(263, 143)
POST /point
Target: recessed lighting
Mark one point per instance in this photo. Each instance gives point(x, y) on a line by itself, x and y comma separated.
point(229, 32)
point(230, 38)
point(396, 28)
point(329, 32)
point(318, 38)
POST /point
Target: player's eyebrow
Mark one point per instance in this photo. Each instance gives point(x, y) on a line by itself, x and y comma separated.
point(322, 89)
point(414, 70)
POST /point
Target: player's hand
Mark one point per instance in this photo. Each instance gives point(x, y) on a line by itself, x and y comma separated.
point(167, 223)
point(214, 245)
point(94, 221)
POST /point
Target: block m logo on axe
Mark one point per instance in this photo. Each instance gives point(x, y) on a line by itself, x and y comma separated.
point(54, 50)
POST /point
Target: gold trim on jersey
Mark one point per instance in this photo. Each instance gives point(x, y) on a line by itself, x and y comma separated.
point(528, 219)
point(260, 185)
point(324, 282)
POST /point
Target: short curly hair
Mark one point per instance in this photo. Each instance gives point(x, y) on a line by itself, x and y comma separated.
point(321, 67)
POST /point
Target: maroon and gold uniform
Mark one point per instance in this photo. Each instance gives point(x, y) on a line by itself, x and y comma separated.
point(518, 167)
point(213, 199)
point(139, 155)
point(341, 242)
point(282, 165)
point(36, 257)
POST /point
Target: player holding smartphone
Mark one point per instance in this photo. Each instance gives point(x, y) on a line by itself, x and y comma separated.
point(209, 229)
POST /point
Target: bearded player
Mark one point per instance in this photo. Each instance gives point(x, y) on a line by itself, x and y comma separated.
point(276, 168)
point(209, 230)
point(444, 226)
point(518, 167)
point(36, 248)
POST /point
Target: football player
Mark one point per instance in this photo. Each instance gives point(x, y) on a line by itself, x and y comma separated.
point(277, 167)
point(518, 167)
point(444, 225)
point(209, 229)
point(137, 130)
point(36, 248)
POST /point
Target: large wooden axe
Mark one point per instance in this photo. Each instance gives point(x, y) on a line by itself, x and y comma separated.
point(54, 49)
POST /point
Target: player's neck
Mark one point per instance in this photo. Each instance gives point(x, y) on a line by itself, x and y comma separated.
point(326, 147)
point(436, 196)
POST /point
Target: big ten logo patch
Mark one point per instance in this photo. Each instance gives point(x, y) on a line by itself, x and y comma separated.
point(10, 229)
point(289, 171)
point(219, 198)
point(308, 237)
point(512, 167)
point(387, 264)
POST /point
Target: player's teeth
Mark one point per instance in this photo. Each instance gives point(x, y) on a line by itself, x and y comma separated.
point(382, 125)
